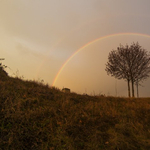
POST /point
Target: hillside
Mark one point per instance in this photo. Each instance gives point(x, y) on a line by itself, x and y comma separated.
point(34, 116)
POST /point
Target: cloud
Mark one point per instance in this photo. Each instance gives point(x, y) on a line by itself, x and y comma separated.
point(24, 50)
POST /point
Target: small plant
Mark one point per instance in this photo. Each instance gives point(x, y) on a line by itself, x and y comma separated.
point(37, 116)
point(3, 73)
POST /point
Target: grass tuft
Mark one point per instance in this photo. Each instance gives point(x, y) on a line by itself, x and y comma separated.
point(36, 116)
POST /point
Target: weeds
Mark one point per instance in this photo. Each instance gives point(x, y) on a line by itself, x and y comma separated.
point(36, 116)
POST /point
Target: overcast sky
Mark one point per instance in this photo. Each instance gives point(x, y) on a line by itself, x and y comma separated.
point(38, 36)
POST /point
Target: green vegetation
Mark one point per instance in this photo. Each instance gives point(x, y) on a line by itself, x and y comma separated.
point(34, 116)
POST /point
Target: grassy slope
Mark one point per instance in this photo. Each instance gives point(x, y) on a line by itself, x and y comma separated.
point(35, 116)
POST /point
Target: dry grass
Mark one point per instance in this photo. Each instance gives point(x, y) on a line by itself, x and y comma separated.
point(35, 116)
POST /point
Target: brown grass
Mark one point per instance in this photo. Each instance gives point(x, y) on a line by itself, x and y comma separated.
point(35, 116)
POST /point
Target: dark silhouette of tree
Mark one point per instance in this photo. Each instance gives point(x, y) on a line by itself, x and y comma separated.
point(131, 63)
point(141, 65)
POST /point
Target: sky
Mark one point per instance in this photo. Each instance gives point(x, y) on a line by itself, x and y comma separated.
point(66, 43)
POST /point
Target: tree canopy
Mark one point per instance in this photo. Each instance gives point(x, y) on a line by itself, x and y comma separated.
point(131, 63)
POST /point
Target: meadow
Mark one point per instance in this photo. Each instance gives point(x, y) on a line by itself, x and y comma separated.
point(35, 116)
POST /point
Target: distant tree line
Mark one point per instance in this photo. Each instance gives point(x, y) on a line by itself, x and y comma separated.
point(131, 63)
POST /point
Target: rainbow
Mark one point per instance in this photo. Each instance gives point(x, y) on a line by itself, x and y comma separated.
point(89, 43)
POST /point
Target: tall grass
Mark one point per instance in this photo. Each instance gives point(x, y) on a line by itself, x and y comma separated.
point(35, 116)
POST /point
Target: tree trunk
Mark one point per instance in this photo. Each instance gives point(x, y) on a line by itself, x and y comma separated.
point(129, 88)
point(137, 86)
point(132, 88)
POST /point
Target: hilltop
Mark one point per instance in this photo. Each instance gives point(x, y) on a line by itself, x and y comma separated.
point(36, 116)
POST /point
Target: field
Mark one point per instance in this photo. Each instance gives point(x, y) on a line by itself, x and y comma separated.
point(34, 116)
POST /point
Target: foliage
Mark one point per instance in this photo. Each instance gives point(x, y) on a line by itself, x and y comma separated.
point(3, 73)
point(35, 116)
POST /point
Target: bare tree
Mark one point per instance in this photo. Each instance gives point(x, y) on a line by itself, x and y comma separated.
point(131, 63)
point(140, 68)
